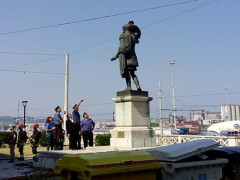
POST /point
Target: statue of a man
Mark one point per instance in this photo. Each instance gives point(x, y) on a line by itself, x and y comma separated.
point(127, 57)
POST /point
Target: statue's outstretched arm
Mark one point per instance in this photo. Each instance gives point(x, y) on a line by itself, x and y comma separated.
point(115, 56)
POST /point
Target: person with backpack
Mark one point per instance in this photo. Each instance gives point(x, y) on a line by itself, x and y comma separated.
point(22, 138)
point(36, 135)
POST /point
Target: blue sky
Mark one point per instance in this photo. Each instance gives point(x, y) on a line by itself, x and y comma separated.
point(205, 44)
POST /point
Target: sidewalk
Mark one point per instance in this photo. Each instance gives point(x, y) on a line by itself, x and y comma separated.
point(18, 168)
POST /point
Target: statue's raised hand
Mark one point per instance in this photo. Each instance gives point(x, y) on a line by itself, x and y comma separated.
point(114, 58)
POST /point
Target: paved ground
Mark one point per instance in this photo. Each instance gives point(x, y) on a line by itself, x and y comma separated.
point(18, 168)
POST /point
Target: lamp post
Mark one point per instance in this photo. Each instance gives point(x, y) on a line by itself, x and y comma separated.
point(24, 106)
point(172, 62)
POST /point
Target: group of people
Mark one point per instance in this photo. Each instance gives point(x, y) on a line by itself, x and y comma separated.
point(20, 139)
point(76, 129)
point(55, 134)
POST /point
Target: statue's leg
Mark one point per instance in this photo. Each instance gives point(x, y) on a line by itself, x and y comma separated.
point(128, 81)
point(135, 79)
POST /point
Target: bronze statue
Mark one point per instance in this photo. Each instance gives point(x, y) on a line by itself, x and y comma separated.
point(127, 57)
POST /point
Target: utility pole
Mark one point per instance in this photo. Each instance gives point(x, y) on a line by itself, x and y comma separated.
point(172, 62)
point(66, 92)
point(160, 107)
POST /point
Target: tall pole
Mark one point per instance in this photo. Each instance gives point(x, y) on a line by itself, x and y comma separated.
point(24, 116)
point(172, 62)
point(17, 114)
point(66, 91)
point(160, 107)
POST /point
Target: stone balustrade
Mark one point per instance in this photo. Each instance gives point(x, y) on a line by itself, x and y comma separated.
point(174, 139)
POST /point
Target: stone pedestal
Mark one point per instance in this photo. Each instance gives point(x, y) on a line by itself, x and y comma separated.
point(132, 120)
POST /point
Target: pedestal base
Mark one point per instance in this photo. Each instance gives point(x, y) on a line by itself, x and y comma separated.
point(132, 137)
point(132, 120)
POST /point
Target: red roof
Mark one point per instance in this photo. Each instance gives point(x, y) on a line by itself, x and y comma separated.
point(193, 123)
point(180, 125)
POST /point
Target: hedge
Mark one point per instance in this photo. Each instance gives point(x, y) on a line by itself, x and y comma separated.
point(154, 125)
point(4, 137)
point(102, 140)
point(43, 139)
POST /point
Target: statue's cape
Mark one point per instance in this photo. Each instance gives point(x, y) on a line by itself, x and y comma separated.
point(127, 55)
point(126, 41)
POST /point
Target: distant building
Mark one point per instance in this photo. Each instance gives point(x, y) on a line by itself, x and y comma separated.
point(192, 126)
point(179, 119)
point(230, 112)
point(207, 116)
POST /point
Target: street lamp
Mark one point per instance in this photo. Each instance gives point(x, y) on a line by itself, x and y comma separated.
point(172, 62)
point(24, 106)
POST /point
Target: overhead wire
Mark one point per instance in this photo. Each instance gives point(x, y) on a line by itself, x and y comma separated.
point(177, 99)
point(213, 94)
point(97, 18)
point(162, 20)
point(94, 45)
point(29, 53)
point(33, 72)
point(35, 62)
point(190, 108)
point(181, 13)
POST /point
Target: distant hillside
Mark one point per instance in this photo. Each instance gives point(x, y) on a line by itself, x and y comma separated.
point(6, 120)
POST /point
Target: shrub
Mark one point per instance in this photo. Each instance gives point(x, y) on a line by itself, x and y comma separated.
point(43, 139)
point(4, 137)
point(102, 140)
point(154, 125)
